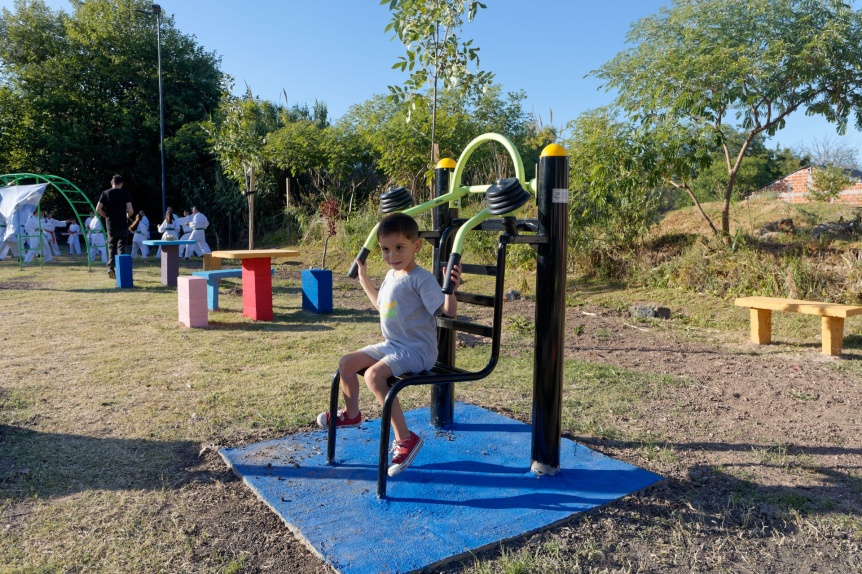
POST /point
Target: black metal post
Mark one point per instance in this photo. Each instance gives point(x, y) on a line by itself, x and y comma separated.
point(553, 203)
point(443, 396)
point(158, 12)
point(334, 392)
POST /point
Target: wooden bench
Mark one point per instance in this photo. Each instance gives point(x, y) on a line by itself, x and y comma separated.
point(832, 314)
point(213, 278)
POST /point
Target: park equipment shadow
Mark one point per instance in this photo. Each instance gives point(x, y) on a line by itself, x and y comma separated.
point(39, 464)
point(710, 489)
point(854, 344)
point(538, 495)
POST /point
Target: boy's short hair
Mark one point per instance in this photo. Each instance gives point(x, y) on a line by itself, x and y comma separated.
point(398, 223)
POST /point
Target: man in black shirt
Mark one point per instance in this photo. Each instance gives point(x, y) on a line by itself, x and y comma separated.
point(115, 205)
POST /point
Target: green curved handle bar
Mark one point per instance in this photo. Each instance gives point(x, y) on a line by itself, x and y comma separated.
point(473, 222)
point(371, 242)
point(456, 190)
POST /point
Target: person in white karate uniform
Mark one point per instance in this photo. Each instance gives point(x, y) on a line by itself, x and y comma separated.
point(187, 251)
point(74, 238)
point(10, 243)
point(169, 228)
point(141, 228)
point(34, 237)
point(198, 223)
point(49, 227)
point(5, 250)
point(86, 230)
point(97, 238)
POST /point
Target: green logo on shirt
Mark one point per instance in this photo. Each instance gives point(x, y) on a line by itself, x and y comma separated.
point(389, 310)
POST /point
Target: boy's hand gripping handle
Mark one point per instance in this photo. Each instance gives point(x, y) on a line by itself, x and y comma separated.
point(448, 284)
point(354, 269)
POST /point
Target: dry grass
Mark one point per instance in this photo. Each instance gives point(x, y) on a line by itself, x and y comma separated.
point(109, 407)
point(105, 397)
point(749, 216)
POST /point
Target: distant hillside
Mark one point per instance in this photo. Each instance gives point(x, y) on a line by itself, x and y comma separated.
point(751, 215)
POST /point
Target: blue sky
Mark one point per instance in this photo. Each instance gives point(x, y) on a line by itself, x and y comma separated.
point(336, 51)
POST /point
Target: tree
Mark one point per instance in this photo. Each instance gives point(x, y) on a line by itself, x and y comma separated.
point(434, 53)
point(301, 147)
point(238, 137)
point(702, 66)
point(828, 151)
point(828, 182)
point(198, 177)
point(79, 92)
point(614, 195)
point(401, 153)
point(398, 152)
point(758, 167)
point(785, 161)
point(831, 160)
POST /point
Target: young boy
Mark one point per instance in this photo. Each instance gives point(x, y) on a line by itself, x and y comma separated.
point(408, 300)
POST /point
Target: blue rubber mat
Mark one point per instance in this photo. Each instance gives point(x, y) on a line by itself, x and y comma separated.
point(469, 488)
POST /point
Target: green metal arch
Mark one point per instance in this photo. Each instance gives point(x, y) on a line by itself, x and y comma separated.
point(76, 198)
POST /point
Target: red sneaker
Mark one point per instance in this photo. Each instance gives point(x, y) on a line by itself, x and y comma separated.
point(405, 453)
point(342, 422)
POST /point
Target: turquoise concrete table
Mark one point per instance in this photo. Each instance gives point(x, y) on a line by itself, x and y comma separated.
point(170, 257)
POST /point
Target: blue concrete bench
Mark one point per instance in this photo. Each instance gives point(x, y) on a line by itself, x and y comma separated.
point(213, 277)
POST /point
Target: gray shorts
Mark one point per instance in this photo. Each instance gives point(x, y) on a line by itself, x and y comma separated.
point(398, 359)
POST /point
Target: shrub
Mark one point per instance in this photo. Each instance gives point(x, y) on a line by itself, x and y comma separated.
point(827, 183)
point(797, 272)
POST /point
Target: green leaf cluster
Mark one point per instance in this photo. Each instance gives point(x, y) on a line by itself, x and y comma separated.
point(400, 150)
point(79, 93)
point(615, 196)
point(435, 56)
point(700, 66)
point(828, 182)
point(433, 50)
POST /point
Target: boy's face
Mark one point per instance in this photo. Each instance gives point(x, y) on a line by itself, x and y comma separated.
point(399, 252)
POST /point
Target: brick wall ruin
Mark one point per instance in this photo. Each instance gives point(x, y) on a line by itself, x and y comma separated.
point(794, 188)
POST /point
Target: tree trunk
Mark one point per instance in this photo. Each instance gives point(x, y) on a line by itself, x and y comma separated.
point(251, 220)
point(434, 100)
point(697, 204)
point(732, 170)
point(287, 205)
point(251, 211)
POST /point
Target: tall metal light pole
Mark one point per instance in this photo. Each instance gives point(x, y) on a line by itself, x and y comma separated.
point(156, 11)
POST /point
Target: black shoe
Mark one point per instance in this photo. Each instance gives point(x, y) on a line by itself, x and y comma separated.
point(112, 275)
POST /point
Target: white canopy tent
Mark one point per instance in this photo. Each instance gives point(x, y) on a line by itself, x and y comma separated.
point(20, 194)
point(17, 203)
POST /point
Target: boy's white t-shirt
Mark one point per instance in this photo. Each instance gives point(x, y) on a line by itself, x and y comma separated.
point(408, 307)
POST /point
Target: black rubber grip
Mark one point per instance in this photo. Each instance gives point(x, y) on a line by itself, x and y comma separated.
point(448, 285)
point(354, 269)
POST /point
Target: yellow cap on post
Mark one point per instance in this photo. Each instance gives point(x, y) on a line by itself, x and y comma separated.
point(446, 163)
point(554, 150)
